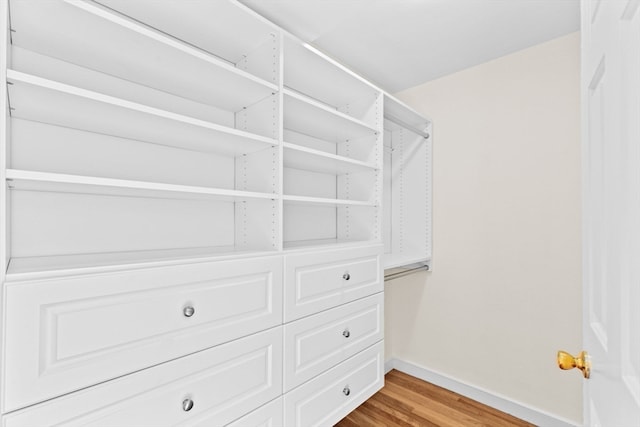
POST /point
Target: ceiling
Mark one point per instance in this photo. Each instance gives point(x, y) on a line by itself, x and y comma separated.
point(399, 44)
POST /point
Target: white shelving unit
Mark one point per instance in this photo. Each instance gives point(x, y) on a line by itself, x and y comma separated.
point(39, 100)
point(332, 151)
point(90, 35)
point(189, 187)
point(407, 189)
point(129, 138)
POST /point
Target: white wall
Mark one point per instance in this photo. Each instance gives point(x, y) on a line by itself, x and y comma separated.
point(505, 291)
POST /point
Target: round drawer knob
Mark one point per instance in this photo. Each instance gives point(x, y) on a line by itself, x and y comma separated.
point(188, 311)
point(346, 391)
point(346, 333)
point(346, 276)
point(187, 405)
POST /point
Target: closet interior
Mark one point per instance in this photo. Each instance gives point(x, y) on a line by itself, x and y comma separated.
point(199, 212)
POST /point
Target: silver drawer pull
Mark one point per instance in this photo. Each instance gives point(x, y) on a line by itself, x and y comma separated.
point(346, 391)
point(346, 276)
point(346, 333)
point(188, 311)
point(187, 405)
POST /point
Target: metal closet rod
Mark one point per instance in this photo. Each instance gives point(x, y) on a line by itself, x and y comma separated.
point(406, 272)
point(414, 129)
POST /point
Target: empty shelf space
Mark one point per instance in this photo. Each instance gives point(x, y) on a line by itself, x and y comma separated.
point(402, 112)
point(308, 71)
point(62, 183)
point(303, 200)
point(33, 267)
point(93, 36)
point(393, 125)
point(225, 28)
point(37, 99)
point(299, 157)
point(400, 117)
point(305, 115)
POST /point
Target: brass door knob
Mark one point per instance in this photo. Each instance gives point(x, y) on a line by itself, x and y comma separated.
point(581, 361)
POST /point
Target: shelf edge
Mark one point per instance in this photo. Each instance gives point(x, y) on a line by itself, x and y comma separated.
point(18, 76)
point(81, 180)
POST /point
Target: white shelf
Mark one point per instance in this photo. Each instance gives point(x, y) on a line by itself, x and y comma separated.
point(93, 36)
point(395, 108)
point(322, 243)
point(61, 183)
point(224, 27)
point(37, 99)
point(309, 71)
point(400, 116)
point(304, 200)
point(307, 116)
point(395, 260)
point(299, 157)
point(47, 266)
point(396, 126)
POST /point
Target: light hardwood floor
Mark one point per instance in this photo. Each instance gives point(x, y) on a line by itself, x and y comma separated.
point(408, 401)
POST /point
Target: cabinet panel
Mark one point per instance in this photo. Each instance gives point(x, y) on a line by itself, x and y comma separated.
point(317, 281)
point(330, 397)
point(62, 335)
point(212, 388)
point(316, 343)
point(269, 415)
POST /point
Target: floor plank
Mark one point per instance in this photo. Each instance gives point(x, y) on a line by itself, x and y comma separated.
point(411, 402)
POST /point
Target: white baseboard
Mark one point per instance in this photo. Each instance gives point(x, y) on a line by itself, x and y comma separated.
point(388, 365)
point(502, 403)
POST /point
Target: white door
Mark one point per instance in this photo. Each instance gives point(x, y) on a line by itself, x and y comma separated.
point(611, 227)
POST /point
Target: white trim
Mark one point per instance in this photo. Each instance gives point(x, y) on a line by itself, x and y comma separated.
point(388, 365)
point(494, 400)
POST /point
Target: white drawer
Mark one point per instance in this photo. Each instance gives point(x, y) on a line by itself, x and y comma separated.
point(269, 415)
point(66, 334)
point(316, 343)
point(328, 398)
point(223, 383)
point(317, 281)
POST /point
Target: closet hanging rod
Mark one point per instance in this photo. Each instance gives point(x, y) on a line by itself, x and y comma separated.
point(403, 273)
point(414, 129)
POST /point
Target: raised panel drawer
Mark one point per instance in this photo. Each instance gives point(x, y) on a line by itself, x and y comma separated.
point(318, 281)
point(316, 343)
point(66, 334)
point(269, 415)
point(222, 383)
point(328, 398)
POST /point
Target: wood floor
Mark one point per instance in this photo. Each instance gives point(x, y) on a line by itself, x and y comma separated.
point(408, 401)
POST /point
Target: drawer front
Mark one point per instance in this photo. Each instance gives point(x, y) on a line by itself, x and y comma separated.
point(316, 343)
point(63, 335)
point(269, 415)
point(328, 398)
point(321, 280)
point(208, 388)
